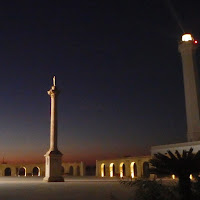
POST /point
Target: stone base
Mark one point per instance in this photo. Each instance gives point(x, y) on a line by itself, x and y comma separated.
point(53, 163)
point(53, 179)
point(192, 137)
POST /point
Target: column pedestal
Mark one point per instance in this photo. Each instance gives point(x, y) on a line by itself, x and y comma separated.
point(53, 160)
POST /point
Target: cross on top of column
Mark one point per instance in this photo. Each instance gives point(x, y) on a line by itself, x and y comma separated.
point(54, 81)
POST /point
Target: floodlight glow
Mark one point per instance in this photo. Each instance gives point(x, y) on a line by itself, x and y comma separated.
point(132, 169)
point(102, 170)
point(191, 177)
point(187, 37)
point(111, 169)
point(173, 176)
point(121, 170)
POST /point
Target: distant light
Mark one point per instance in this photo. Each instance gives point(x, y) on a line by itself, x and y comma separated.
point(173, 176)
point(191, 177)
point(195, 41)
point(187, 37)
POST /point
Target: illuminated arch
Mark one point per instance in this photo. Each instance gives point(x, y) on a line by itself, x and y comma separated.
point(122, 169)
point(7, 171)
point(133, 169)
point(36, 171)
point(103, 170)
point(22, 171)
point(112, 169)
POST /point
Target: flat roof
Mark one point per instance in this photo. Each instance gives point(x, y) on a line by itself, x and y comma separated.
point(176, 145)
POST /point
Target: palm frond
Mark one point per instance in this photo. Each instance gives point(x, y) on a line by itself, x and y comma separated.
point(172, 156)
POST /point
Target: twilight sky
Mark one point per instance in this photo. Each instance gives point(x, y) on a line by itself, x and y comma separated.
point(118, 69)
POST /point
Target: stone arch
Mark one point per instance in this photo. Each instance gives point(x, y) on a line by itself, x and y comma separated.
point(103, 170)
point(36, 171)
point(7, 171)
point(62, 170)
point(112, 169)
point(22, 171)
point(133, 170)
point(122, 169)
point(78, 171)
point(71, 170)
point(146, 172)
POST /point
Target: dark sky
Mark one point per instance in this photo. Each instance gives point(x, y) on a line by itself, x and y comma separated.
point(118, 69)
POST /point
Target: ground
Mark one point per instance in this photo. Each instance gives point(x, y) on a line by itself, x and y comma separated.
point(33, 188)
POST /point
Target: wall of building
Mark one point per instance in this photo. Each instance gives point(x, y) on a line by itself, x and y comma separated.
point(73, 169)
point(178, 146)
point(123, 167)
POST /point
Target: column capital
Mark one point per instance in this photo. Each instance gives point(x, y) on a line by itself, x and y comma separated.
point(53, 91)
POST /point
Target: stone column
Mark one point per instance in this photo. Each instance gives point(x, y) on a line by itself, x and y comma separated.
point(127, 167)
point(13, 171)
point(187, 48)
point(82, 169)
point(97, 168)
point(139, 168)
point(53, 157)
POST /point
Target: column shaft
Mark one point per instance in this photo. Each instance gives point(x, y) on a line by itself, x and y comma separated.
point(53, 127)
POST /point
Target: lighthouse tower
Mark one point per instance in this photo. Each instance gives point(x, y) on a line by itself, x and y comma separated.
point(187, 48)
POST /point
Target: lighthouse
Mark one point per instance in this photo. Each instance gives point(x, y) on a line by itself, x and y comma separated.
point(187, 48)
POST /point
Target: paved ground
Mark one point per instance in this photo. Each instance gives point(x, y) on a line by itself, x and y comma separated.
point(33, 188)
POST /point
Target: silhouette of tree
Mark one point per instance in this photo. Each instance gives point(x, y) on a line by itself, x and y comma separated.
point(179, 165)
point(144, 189)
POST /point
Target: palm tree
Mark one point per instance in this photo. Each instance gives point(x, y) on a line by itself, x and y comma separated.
point(180, 165)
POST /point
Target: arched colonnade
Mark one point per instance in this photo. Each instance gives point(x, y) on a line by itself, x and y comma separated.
point(131, 167)
point(21, 171)
point(122, 170)
point(71, 169)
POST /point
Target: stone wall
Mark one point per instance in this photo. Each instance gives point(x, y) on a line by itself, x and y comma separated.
point(73, 169)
